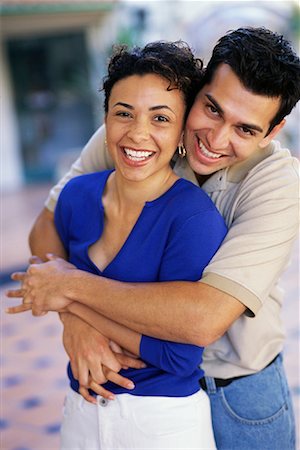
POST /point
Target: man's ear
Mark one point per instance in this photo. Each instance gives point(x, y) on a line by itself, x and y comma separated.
point(267, 139)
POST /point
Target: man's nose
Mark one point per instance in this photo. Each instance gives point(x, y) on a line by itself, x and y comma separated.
point(219, 137)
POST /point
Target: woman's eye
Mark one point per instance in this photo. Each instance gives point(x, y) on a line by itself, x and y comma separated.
point(161, 119)
point(123, 114)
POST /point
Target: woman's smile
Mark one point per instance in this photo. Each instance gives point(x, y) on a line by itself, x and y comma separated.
point(137, 156)
point(144, 125)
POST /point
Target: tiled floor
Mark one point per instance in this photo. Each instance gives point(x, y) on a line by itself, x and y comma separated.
point(32, 359)
point(33, 382)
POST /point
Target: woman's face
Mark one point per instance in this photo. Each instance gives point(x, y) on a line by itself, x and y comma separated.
point(144, 125)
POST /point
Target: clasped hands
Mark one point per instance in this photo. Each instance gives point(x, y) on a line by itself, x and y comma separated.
point(42, 286)
point(94, 359)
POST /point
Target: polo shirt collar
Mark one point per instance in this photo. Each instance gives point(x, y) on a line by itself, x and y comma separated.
point(237, 172)
point(234, 174)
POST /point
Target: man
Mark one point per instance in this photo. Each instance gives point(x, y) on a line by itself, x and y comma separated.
point(251, 83)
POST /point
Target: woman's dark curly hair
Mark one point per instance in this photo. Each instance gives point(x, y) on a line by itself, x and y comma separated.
point(173, 61)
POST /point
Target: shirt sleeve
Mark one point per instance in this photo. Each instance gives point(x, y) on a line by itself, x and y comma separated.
point(171, 357)
point(189, 250)
point(94, 157)
point(62, 216)
point(261, 236)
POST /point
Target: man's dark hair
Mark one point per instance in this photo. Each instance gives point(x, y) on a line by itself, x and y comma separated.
point(265, 63)
point(173, 61)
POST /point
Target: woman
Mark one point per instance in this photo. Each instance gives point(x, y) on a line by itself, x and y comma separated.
point(141, 223)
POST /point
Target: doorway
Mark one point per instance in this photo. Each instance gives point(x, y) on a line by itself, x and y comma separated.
point(53, 99)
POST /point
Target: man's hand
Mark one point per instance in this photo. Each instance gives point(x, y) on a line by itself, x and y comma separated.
point(42, 287)
point(92, 360)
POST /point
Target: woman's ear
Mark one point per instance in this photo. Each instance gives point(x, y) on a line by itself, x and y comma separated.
point(181, 148)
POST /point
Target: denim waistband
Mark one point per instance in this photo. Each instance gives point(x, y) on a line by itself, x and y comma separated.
point(220, 382)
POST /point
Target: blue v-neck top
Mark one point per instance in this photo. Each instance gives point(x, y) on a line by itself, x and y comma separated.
point(174, 238)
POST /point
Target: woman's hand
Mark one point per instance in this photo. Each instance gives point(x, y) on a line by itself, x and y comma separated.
point(92, 359)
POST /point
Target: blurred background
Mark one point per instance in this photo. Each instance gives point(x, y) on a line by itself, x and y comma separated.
point(53, 56)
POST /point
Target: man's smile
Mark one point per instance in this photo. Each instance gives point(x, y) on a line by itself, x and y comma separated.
point(208, 153)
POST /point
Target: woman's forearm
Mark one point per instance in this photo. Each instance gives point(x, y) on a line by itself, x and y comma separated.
point(126, 338)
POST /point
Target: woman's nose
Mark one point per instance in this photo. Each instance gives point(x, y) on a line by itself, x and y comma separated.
point(139, 131)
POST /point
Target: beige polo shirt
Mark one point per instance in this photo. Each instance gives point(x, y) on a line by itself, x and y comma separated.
point(259, 199)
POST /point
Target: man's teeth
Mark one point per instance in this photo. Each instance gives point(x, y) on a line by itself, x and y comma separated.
point(207, 152)
point(137, 155)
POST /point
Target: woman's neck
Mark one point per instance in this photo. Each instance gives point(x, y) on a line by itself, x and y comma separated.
point(129, 195)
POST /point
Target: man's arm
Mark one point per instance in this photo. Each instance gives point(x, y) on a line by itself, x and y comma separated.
point(264, 228)
point(43, 237)
point(208, 311)
point(94, 157)
point(206, 308)
point(197, 313)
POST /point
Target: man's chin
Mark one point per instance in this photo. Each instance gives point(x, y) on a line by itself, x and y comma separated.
point(202, 169)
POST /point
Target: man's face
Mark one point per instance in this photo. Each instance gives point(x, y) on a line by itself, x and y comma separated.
point(227, 123)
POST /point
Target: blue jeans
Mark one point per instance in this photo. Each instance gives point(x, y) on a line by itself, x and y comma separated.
point(254, 412)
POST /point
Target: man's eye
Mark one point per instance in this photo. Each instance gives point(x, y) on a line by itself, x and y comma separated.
point(212, 109)
point(247, 130)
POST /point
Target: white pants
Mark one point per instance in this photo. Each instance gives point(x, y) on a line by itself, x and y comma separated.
point(133, 422)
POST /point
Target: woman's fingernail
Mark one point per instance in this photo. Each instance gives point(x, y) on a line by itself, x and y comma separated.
point(111, 397)
point(130, 385)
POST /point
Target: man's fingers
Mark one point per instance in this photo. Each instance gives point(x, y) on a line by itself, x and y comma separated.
point(13, 293)
point(18, 276)
point(38, 312)
point(86, 395)
point(52, 257)
point(118, 379)
point(18, 309)
point(128, 361)
point(35, 260)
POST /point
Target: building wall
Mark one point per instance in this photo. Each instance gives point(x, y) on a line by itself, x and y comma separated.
point(135, 22)
point(11, 164)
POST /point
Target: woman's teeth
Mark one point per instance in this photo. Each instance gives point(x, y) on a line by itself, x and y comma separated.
point(137, 155)
point(207, 152)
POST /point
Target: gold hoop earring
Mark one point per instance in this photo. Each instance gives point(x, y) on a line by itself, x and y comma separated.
point(181, 151)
